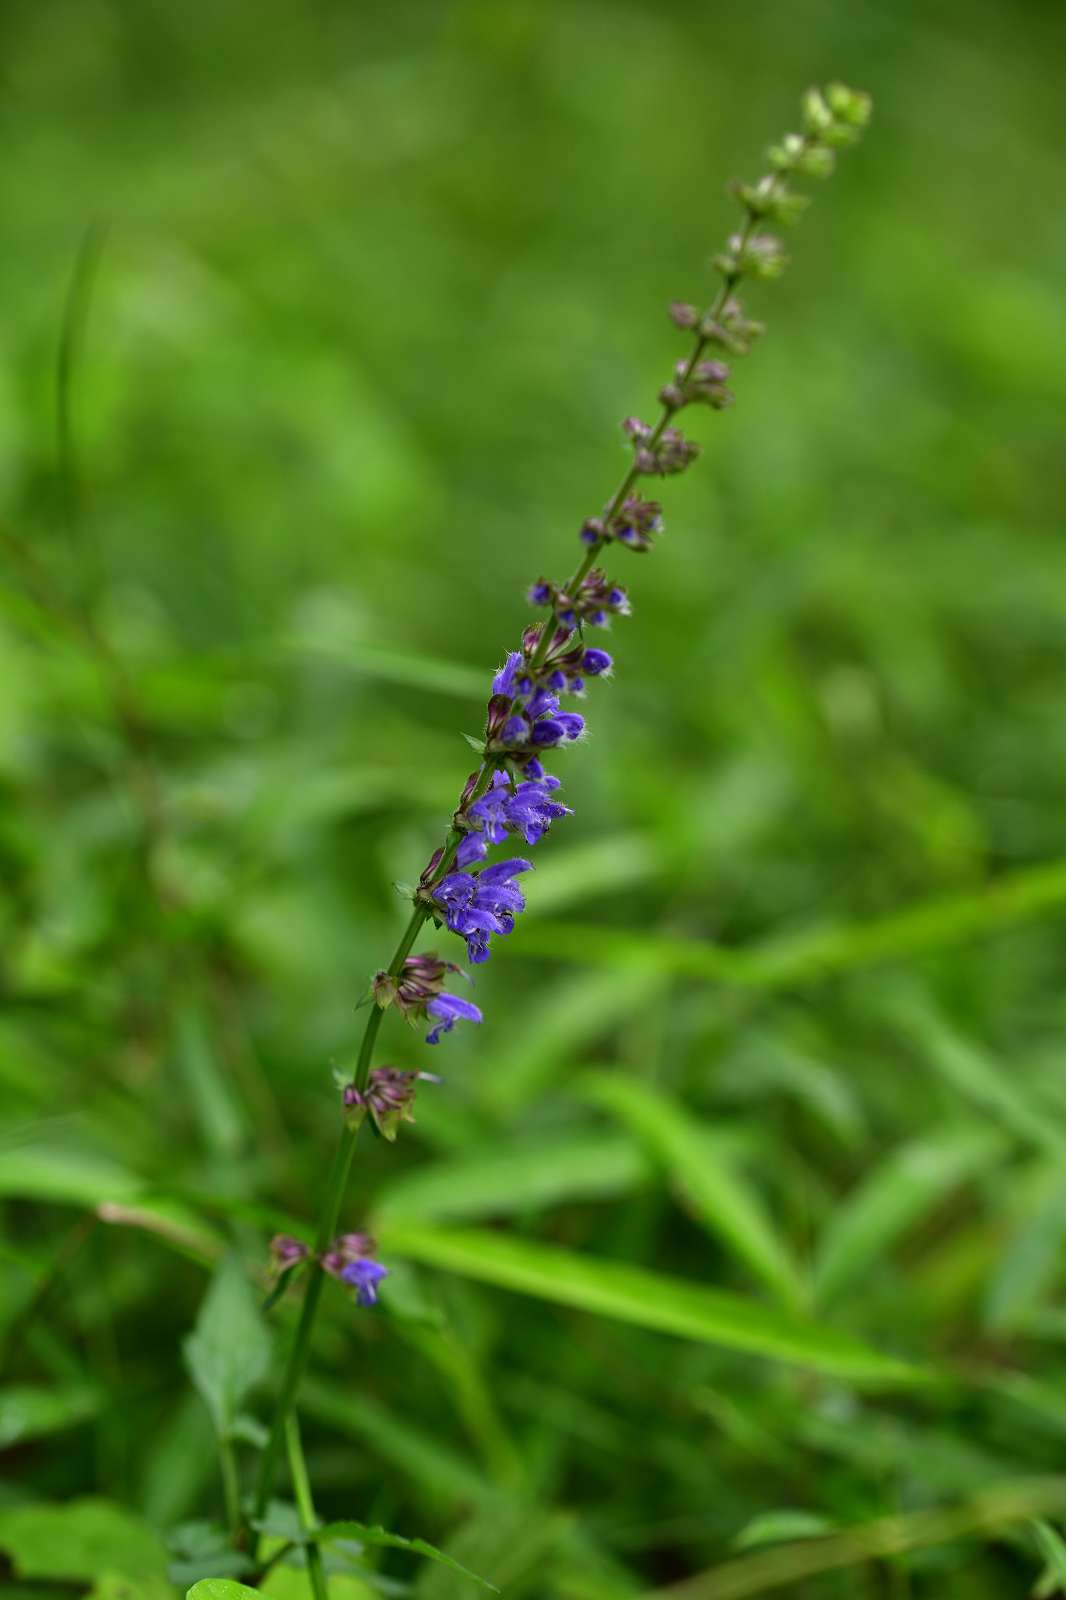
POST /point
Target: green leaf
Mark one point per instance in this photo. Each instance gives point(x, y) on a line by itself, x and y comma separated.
point(907, 1185)
point(290, 1583)
point(785, 1565)
point(220, 1589)
point(546, 1039)
point(1052, 1581)
point(228, 1351)
point(222, 1121)
point(396, 1541)
point(116, 1586)
point(28, 1411)
point(1030, 1263)
point(203, 1549)
point(80, 1540)
point(710, 1187)
point(64, 1175)
point(816, 953)
point(280, 1520)
point(507, 1178)
point(408, 668)
point(987, 1083)
point(646, 1299)
point(514, 1543)
point(772, 1527)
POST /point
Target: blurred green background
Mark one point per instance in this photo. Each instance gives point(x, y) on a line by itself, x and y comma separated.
point(319, 323)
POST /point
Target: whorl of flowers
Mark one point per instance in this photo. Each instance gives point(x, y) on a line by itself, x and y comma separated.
point(510, 796)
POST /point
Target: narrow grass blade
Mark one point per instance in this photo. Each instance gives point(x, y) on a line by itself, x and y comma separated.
point(646, 1299)
point(906, 1186)
point(710, 1187)
point(510, 1178)
point(396, 1541)
point(820, 952)
point(767, 1570)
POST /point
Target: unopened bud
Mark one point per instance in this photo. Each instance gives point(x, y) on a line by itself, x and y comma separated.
point(849, 105)
point(817, 117)
point(683, 315)
point(384, 989)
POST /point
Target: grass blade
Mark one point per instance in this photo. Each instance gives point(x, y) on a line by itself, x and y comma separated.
point(646, 1299)
point(904, 1188)
point(710, 1187)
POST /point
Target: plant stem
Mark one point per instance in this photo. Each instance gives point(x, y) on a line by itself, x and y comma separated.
point(300, 1350)
point(231, 1489)
point(327, 1226)
point(305, 1505)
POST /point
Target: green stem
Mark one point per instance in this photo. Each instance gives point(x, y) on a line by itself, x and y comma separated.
point(300, 1349)
point(231, 1489)
point(328, 1217)
point(305, 1505)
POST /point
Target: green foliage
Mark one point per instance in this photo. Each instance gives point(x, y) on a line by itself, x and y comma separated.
point(649, 1299)
point(82, 1540)
point(381, 1538)
point(220, 1589)
point(228, 1351)
point(710, 1186)
point(320, 323)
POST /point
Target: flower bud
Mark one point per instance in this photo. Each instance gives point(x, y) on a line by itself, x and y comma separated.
point(286, 1252)
point(758, 197)
point(762, 255)
point(785, 157)
point(683, 315)
point(817, 117)
point(786, 207)
point(849, 105)
point(384, 989)
point(355, 1106)
point(430, 868)
point(636, 430)
point(817, 161)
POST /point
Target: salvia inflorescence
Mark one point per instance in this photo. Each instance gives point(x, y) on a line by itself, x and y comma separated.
point(511, 797)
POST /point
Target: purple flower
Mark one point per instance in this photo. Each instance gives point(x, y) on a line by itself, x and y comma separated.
point(471, 848)
point(531, 811)
point(503, 682)
point(596, 662)
point(526, 809)
point(349, 1260)
point(478, 904)
point(447, 1009)
point(491, 809)
point(573, 723)
point(364, 1276)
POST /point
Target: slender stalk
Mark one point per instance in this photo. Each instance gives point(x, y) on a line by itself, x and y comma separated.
point(305, 1506)
point(327, 1226)
point(231, 1489)
point(300, 1350)
point(855, 110)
